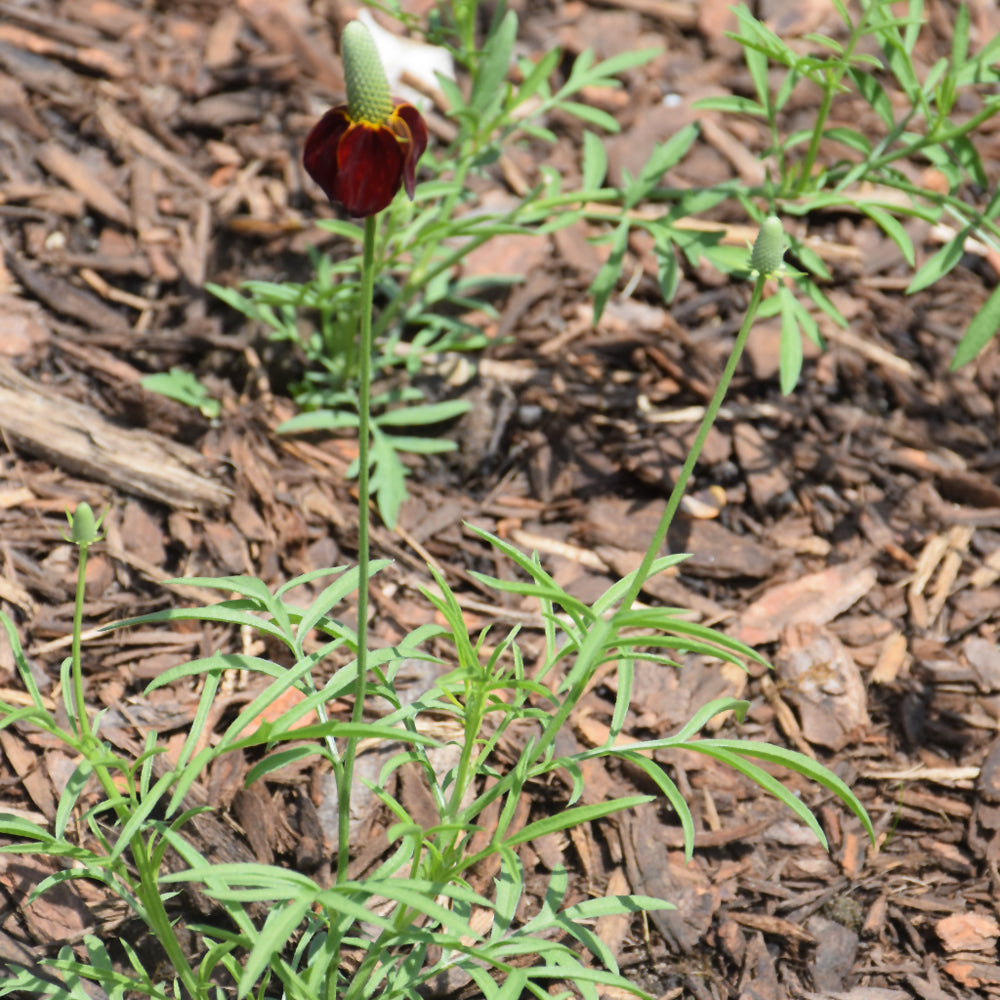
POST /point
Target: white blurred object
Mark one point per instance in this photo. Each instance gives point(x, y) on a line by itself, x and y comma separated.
point(400, 55)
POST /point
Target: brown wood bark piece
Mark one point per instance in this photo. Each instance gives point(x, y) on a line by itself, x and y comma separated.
point(23, 759)
point(17, 110)
point(78, 174)
point(37, 73)
point(100, 59)
point(77, 438)
point(817, 598)
point(121, 131)
point(283, 33)
point(656, 871)
point(761, 465)
point(823, 682)
point(66, 299)
point(836, 951)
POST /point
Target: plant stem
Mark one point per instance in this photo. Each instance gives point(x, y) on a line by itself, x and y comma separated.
point(364, 545)
point(939, 137)
point(831, 84)
point(706, 425)
point(82, 722)
point(149, 896)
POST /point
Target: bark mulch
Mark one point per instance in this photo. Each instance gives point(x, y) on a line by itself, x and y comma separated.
point(850, 530)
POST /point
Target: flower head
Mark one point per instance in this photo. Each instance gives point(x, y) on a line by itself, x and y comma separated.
point(769, 247)
point(360, 152)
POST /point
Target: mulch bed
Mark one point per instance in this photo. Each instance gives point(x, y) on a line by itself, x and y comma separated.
point(850, 530)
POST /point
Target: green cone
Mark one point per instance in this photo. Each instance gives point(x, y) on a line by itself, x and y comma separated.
point(368, 97)
point(769, 247)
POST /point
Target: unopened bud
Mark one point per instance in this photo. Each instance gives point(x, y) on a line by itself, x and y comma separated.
point(769, 247)
point(83, 527)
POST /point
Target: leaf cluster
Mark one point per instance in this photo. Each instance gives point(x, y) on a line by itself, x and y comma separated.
point(869, 178)
point(417, 914)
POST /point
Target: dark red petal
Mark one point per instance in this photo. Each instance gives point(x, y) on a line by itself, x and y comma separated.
point(414, 149)
point(370, 164)
point(319, 156)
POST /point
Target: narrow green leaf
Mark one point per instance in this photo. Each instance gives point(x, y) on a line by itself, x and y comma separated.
point(980, 332)
point(874, 93)
point(667, 270)
point(807, 324)
point(670, 791)
point(731, 104)
point(454, 97)
point(766, 781)
point(140, 814)
point(422, 445)
point(70, 794)
point(491, 73)
point(790, 353)
point(940, 264)
point(281, 924)
point(536, 76)
point(574, 817)
point(591, 115)
point(23, 667)
point(892, 227)
point(629, 59)
point(663, 157)
point(758, 66)
point(607, 906)
point(318, 420)
point(801, 764)
point(607, 278)
point(340, 227)
point(968, 157)
point(595, 162)
point(851, 138)
point(427, 413)
point(388, 481)
point(727, 259)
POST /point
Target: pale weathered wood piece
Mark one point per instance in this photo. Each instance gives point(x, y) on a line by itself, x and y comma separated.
point(77, 438)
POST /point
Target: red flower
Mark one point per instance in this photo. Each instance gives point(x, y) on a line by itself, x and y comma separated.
point(361, 164)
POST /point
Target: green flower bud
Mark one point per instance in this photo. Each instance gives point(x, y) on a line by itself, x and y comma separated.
point(769, 247)
point(82, 525)
point(368, 97)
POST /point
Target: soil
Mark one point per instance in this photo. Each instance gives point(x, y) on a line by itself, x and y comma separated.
point(849, 530)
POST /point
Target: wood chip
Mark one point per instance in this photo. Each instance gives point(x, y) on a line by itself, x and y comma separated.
point(892, 658)
point(78, 438)
point(772, 925)
point(761, 465)
point(78, 174)
point(66, 299)
point(121, 131)
point(817, 598)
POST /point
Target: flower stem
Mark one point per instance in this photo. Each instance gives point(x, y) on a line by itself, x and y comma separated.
point(150, 900)
point(364, 545)
point(82, 721)
point(685, 474)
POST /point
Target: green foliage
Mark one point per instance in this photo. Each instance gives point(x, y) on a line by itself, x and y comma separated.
point(417, 916)
point(869, 178)
point(425, 305)
point(429, 924)
point(184, 387)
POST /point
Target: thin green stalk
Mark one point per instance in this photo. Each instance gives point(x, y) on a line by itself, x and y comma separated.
point(155, 912)
point(832, 83)
point(805, 172)
point(937, 138)
point(706, 425)
point(364, 545)
point(81, 721)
